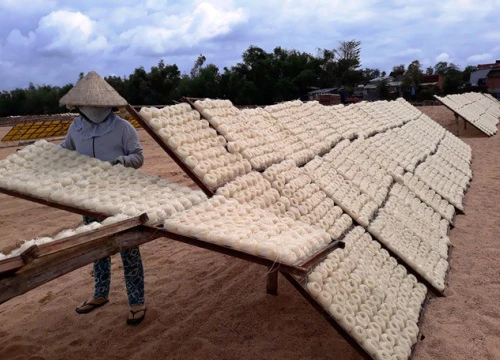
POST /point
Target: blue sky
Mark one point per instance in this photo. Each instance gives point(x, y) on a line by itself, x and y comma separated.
point(52, 41)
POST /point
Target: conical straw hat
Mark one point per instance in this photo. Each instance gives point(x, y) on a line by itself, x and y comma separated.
point(92, 90)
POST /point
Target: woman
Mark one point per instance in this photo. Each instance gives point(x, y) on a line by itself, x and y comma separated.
point(98, 132)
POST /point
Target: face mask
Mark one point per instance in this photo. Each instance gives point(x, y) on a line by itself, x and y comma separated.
point(96, 114)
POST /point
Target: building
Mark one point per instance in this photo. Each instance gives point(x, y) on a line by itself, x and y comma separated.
point(433, 82)
point(493, 82)
point(479, 77)
point(488, 66)
point(370, 90)
point(487, 78)
point(328, 96)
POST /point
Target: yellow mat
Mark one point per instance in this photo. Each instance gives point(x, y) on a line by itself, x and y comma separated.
point(33, 130)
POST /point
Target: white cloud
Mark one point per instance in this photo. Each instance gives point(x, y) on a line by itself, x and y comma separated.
point(443, 57)
point(170, 33)
point(479, 57)
point(491, 35)
point(59, 32)
point(16, 38)
point(70, 31)
point(454, 11)
point(125, 15)
point(120, 35)
point(410, 52)
point(8, 64)
point(33, 6)
point(425, 62)
point(207, 18)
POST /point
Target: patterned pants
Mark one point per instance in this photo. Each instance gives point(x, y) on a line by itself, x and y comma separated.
point(132, 268)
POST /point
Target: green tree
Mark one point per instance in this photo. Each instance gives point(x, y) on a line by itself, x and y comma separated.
point(441, 68)
point(260, 78)
point(413, 75)
point(349, 52)
point(467, 72)
point(369, 74)
point(453, 81)
point(163, 80)
point(383, 89)
point(195, 71)
point(348, 55)
point(397, 71)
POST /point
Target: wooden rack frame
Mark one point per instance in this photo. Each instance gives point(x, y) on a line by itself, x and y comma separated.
point(457, 115)
point(296, 275)
point(16, 263)
point(58, 258)
point(54, 204)
point(300, 285)
point(301, 269)
point(13, 264)
point(169, 151)
point(39, 265)
point(272, 284)
point(271, 264)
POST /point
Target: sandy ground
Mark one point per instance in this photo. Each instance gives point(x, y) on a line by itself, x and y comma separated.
point(203, 305)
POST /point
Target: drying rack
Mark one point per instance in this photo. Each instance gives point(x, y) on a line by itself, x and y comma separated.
point(11, 265)
point(296, 275)
point(457, 115)
point(314, 260)
point(40, 264)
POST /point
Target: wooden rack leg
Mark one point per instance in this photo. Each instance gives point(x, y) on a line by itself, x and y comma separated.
point(456, 121)
point(348, 337)
point(272, 282)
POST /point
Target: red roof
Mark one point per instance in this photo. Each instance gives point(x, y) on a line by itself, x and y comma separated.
point(487, 66)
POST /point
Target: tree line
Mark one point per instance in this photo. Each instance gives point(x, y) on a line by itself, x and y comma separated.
point(261, 78)
point(411, 77)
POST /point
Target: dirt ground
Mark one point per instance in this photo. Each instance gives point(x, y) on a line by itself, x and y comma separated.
point(203, 305)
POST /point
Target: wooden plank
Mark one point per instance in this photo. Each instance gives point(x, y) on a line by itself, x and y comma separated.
point(10, 265)
point(322, 254)
point(46, 268)
point(94, 215)
point(297, 284)
point(272, 282)
point(30, 254)
point(95, 235)
point(169, 151)
point(297, 270)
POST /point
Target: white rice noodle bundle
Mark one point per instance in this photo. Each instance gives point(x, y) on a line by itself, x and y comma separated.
point(87, 183)
point(247, 227)
point(370, 296)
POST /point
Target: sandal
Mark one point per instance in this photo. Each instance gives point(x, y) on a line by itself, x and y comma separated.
point(92, 307)
point(134, 320)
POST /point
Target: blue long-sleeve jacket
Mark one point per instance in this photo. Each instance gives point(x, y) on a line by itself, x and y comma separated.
point(114, 140)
